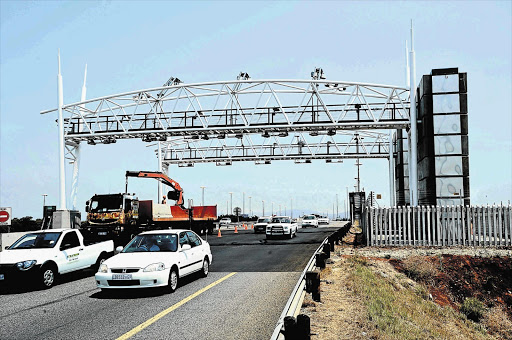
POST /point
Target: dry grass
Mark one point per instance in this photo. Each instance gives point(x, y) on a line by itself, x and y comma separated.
point(497, 323)
point(418, 269)
point(394, 313)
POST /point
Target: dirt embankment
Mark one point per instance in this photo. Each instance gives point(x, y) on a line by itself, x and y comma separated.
point(376, 293)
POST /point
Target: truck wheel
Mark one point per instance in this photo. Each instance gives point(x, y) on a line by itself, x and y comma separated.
point(172, 284)
point(206, 267)
point(48, 276)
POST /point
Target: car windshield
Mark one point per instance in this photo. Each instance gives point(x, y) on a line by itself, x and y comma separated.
point(263, 220)
point(280, 220)
point(36, 240)
point(106, 203)
point(152, 243)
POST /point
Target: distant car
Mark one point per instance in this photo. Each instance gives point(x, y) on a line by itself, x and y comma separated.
point(281, 226)
point(310, 221)
point(224, 221)
point(261, 224)
point(157, 258)
point(323, 220)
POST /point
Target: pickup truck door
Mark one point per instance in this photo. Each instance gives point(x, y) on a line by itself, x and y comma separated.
point(70, 252)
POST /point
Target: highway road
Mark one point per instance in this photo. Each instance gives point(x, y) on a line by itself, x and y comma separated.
point(242, 298)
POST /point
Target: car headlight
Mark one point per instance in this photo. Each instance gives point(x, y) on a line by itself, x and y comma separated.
point(154, 267)
point(25, 265)
point(103, 268)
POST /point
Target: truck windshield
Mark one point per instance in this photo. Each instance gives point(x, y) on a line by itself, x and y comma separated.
point(311, 217)
point(36, 240)
point(106, 203)
point(152, 243)
point(263, 220)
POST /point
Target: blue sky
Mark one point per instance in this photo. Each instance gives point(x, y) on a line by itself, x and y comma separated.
point(135, 45)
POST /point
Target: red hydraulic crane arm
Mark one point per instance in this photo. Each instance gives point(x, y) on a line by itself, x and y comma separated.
point(161, 177)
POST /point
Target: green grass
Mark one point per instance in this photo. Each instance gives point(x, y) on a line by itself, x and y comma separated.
point(403, 313)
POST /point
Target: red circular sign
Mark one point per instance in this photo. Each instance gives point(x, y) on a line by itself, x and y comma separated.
point(4, 216)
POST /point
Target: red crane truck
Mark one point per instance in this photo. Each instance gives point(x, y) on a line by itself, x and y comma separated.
point(121, 216)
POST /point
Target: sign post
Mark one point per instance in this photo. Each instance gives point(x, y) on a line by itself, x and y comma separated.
point(5, 217)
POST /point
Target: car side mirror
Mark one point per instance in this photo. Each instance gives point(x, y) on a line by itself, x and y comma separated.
point(118, 250)
point(186, 247)
point(6, 247)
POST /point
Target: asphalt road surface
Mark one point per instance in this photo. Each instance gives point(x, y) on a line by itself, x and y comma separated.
point(242, 298)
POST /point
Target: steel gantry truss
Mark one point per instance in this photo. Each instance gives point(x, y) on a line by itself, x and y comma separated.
point(301, 147)
point(242, 120)
point(217, 109)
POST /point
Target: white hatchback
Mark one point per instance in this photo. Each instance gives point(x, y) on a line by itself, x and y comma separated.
point(156, 259)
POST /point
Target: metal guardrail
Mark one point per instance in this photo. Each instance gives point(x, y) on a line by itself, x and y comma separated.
point(296, 296)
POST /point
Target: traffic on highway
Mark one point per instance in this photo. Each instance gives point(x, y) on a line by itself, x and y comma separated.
point(222, 279)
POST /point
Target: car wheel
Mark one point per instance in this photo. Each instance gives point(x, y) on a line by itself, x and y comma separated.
point(206, 267)
point(102, 258)
point(172, 284)
point(48, 276)
point(291, 234)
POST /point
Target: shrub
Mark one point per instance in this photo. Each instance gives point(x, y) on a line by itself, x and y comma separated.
point(419, 269)
point(473, 309)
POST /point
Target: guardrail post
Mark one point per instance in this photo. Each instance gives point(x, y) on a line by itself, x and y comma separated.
point(290, 328)
point(320, 260)
point(303, 327)
point(327, 250)
point(313, 284)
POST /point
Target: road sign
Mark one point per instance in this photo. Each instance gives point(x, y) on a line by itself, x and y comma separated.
point(237, 211)
point(5, 216)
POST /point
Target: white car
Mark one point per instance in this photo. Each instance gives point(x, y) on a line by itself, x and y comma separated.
point(156, 258)
point(224, 221)
point(261, 224)
point(323, 220)
point(310, 221)
point(281, 226)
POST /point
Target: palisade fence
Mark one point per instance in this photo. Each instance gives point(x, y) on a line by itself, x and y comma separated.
point(438, 226)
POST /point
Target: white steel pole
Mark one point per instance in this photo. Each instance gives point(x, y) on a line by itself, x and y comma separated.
point(202, 196)
point(243, 202)
point(76, 163)
point(391, 171)
point(413, 166)
point(62, 173)
point(160, 184)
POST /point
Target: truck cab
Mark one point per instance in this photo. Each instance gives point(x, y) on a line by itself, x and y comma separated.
point(111, 212)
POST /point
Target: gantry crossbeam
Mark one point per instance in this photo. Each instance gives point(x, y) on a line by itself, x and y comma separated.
point(300, 147)
point(242, 106)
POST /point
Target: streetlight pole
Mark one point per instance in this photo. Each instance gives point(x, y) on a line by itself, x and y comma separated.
point(250, 207)
point(272, 208)
point(291, 207)
point(44, 200)
point(262, 208)
point(280, 209)
point(337, 211)
point(243, 202)
point(202, 201)
point(231, 207)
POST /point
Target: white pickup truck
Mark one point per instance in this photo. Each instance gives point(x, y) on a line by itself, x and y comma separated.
point(40, 256)
point(281, 226)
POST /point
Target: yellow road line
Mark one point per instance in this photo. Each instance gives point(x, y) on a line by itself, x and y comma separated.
point(170, 309)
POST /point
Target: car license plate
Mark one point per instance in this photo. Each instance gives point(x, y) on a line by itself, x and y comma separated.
point(121, 276)
point(2, 276)
point(102, 233)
